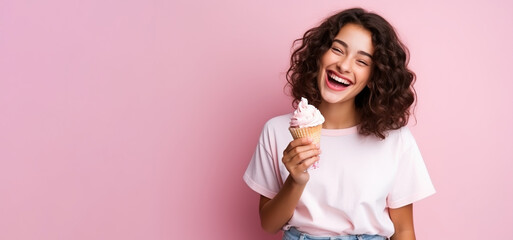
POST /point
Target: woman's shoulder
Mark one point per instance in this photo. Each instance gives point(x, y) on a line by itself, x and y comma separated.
point(277, 126)
point(280, 122)
point(402, 131)
point(402, 136)
point(276, 130)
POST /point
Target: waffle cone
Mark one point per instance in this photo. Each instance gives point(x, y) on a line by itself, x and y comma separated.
point(312, 132)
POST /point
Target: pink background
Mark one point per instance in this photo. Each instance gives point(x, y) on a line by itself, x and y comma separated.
point(136, 119)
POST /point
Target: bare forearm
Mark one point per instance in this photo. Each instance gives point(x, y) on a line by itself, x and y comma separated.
point(275, 213)
point(404, 235)
point(403, 223)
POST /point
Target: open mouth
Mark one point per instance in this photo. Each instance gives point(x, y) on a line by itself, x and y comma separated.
point(337, 83)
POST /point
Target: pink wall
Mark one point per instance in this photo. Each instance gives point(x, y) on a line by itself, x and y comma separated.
point(136, 119)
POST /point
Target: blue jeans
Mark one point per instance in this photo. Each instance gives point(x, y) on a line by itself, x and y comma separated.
point(294, 234)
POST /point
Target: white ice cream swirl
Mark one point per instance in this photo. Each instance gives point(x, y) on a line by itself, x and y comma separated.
point(306, 115)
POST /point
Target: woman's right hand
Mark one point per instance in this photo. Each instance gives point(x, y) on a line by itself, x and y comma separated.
point(299, 155)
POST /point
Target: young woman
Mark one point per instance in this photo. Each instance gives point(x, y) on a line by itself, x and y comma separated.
point(353, 68)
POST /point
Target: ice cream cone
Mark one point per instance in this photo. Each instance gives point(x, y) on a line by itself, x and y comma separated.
point(312, 132)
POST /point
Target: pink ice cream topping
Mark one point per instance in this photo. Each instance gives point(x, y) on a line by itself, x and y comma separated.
point(306, 115)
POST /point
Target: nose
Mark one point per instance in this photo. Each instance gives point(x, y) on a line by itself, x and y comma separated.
point(344, 64)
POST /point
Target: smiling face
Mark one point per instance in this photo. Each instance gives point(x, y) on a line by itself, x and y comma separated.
point(346, 67)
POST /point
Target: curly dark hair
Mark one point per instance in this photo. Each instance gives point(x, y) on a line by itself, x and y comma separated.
point(384, 104)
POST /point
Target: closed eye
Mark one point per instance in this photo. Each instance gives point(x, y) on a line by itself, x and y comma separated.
point(335, 49)
point(363, 62)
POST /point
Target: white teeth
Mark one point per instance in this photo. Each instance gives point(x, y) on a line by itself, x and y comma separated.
point(338, 79)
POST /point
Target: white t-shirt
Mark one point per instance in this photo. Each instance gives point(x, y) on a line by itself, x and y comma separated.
point(358, 179)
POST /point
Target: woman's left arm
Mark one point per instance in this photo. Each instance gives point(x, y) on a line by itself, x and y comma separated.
point(403, 223)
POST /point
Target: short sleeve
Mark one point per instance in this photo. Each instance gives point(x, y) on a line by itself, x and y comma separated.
point(262, 174)
point(412, 181)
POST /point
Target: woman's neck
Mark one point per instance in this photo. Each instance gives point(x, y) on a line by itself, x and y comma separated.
point(338, 116)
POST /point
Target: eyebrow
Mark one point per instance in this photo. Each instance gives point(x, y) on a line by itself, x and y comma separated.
point(346, 46)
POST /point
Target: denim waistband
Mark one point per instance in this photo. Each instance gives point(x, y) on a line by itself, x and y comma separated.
point(294, 234)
